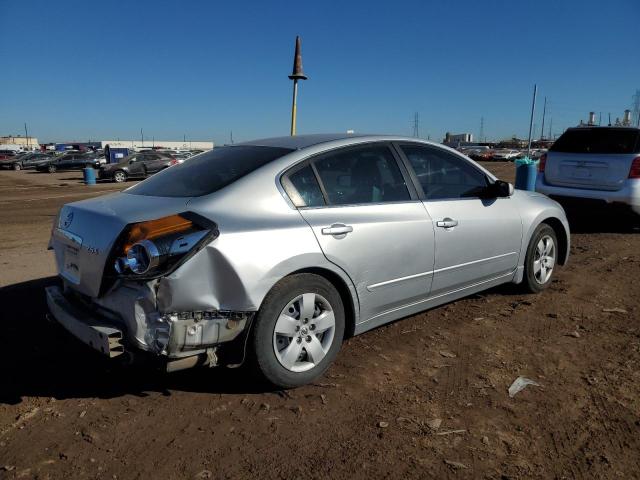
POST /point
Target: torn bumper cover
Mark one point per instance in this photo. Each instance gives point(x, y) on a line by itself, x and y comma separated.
point(183, 339)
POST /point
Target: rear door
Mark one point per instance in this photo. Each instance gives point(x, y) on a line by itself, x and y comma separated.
point(598, 158)
point(368, 221)
point(476, 240)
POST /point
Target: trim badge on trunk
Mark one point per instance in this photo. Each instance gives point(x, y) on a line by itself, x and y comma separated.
point(67, 221)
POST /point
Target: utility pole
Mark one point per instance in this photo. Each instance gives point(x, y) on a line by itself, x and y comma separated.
point(533, 111)
point(609, 118)
point(296, 75)
point(600, 119)
point(635, 107)
point(231, 137)
point(544, 112)
point(142, 137)
point(26, 134)
point(481, 136)
point(551, 128)
point(416, 125)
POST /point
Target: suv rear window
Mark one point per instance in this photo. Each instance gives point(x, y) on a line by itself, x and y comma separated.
point(598, 140)
point(208, 172)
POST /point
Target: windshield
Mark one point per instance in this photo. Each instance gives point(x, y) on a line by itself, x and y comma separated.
point(208, 172)
point(598, 140)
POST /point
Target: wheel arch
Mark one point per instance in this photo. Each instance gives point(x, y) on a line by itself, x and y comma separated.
point(345, 295)
point(562, 235)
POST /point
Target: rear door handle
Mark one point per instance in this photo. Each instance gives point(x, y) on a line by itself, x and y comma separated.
point(337, 229)
point(447, 223)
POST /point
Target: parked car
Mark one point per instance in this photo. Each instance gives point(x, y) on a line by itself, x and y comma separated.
point(25, 160)
point(70, 161)
point(137, 165)
point(505, 154)
point(7, 154)
point(283, 247)
point(599, 165)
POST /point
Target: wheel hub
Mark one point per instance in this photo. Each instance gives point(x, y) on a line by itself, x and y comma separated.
point(304, 332)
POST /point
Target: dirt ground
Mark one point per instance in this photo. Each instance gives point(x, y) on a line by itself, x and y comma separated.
point(424, 397)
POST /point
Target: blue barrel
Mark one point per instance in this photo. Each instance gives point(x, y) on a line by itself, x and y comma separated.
point(526, 172)
point(89, 176)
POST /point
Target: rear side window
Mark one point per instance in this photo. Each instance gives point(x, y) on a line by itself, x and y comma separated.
point(208, 172)
point(598, 140)
point(362, 175)
point(443, 175)
point(303, 189)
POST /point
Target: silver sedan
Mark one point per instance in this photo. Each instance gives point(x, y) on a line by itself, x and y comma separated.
point(272, 252)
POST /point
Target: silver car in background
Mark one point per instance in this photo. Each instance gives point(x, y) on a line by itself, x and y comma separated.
point(594, 165)
point(272, 252)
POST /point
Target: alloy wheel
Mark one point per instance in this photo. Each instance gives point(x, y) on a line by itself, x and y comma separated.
point(119, 177)
point(544, 259)
point(304, 332)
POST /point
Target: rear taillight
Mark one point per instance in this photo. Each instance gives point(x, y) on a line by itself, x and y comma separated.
point(542, 163)
point(173, 161)
point(634, 171)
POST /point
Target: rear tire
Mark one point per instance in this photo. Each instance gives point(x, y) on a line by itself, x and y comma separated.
point(51, 169)
point(541, 259)
point(297, 332)
point(17, 166)
point(119, 176)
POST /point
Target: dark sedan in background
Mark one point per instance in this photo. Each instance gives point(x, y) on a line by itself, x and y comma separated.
point(137, 165)
point(25, 160)
point(71, 161)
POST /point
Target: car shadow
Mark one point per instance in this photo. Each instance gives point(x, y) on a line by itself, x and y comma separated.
point(39, 358)
point(602, 221)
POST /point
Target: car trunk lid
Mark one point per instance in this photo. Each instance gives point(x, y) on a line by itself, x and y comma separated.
point(597, 171)
point(86, 231)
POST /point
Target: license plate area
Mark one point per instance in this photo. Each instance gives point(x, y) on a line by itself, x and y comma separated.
point(70, 245)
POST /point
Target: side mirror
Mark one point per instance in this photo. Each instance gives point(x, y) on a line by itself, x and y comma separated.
point(499, 189)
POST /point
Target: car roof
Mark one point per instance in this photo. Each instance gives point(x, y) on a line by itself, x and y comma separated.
point(299, 142)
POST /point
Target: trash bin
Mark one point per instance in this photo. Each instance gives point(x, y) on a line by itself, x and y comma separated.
point(526, 172)
point(89, 176)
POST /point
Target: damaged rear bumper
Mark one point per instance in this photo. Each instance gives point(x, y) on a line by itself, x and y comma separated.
point(181, 339)
point(91, 330)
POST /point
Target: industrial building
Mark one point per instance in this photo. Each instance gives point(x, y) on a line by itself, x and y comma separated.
point(144, 144)
point(19, 143)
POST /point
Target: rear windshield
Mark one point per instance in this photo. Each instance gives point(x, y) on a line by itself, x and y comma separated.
point(598, 140)
point(208, 172)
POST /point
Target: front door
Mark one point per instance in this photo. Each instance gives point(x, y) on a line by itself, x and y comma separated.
point(476, 239)
point(370, 223)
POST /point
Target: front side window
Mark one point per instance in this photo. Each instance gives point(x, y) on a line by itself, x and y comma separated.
point(444, 175)
point(362, 175)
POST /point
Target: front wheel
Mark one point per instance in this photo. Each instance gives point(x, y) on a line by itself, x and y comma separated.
point(17, 166)
point(542, 256)
point(298, 331)
point(51, 169)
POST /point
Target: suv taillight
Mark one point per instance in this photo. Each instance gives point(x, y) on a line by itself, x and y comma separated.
point(634, 171)
point(173, 161)
point(542, 163)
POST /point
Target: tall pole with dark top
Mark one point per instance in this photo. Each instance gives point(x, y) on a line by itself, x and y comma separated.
point(533, 111)
point(297, 74)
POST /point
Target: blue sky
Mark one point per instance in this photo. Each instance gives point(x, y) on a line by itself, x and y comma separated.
point(75, 70)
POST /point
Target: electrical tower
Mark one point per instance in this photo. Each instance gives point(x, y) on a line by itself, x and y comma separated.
point(481, 136)
point(635, 108)
point(416, 125)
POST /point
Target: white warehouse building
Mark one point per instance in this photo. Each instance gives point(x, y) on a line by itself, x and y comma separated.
point(142, 144)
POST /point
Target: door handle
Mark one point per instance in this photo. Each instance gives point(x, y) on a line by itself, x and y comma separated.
point(447, 223)
point(337, 229)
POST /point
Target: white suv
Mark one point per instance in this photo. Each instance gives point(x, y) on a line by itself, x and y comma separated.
point(594, 163)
